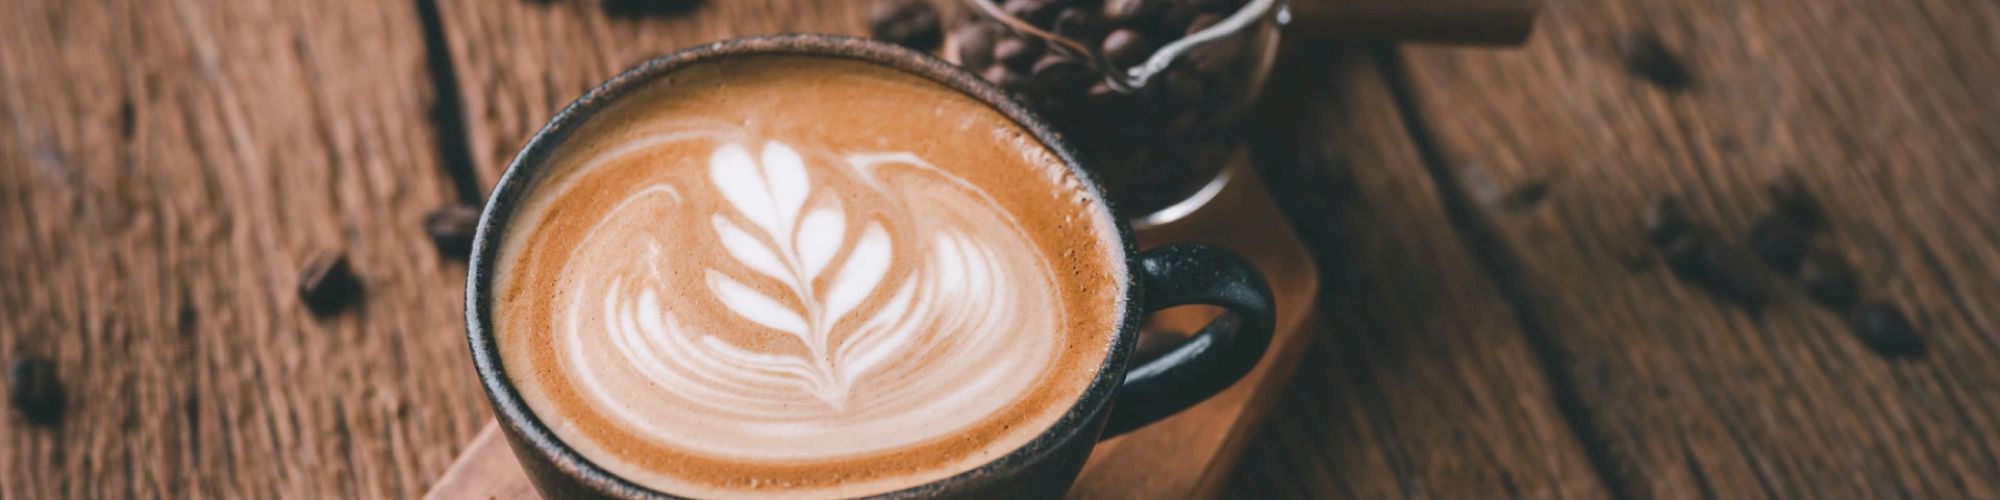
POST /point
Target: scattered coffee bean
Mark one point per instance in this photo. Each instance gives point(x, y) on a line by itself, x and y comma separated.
point(1018, 51)
point(1526, 197)
point(35, 391)
point(1884, 329)
point(1779, 241)
point(451, 228)
point(1829, 280)
point(1686, 252)
point(1132, 11)
point(1797, 203)
point(1062, 75)
point(909, 23)
point(1038, 12)
point(1702, 258)
point(327, 284)
point(1127, 47)
point(1647, 57)
point(975, 45)
point(1666, 220)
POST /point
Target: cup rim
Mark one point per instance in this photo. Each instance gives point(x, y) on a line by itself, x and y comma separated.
point(511, 410)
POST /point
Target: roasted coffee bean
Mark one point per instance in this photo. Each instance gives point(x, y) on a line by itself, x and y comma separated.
point(1127, 47)
point(909, 23)
point(1666, 220)
point(1884, 329)
point(34, 390)
point(1779, 241)
point(327, 284)
point(1648, 58)
point(1132, 12)
point(451, 228)
point(1006, 78)
point(1063, 76)
point(975, 45)
point(1018, 51)
point(1527, 196)
point(1079, 23)
point(1829, 280)
point(1798, 204)
point(1702, 258)
point(1203, 21)
point(1037, 12)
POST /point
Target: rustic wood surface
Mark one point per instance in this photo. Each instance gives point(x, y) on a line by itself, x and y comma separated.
point(169, 166)
point(165, 170)
point(1425, 386)
point(1885, 109)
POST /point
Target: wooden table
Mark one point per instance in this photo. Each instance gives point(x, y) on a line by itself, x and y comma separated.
point(166, 167)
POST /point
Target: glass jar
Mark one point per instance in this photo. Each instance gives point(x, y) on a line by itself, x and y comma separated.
point(1152, 92)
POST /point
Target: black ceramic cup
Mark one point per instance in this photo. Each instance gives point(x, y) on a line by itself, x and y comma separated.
point(1163, 277)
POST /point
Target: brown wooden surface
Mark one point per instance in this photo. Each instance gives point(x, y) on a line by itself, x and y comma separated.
point(1425, 386)
point(1886, 110)
point(165, 170)
point(167, 166)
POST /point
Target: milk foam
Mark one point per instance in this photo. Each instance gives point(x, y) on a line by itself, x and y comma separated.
point(713, 295)
point(800, 266)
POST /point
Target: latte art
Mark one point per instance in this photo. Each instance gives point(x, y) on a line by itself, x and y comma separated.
point(783, 347)
point(785, 276)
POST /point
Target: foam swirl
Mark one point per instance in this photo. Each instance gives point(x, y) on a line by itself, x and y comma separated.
point(802, 277)
point(780, 345)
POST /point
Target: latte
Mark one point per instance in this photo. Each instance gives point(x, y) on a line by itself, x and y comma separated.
point(803, 276)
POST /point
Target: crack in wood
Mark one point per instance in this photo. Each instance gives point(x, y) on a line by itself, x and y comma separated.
point(1504, 267)
point(448, 111)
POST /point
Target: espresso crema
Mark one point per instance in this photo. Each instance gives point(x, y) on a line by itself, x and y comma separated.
point(800, 276)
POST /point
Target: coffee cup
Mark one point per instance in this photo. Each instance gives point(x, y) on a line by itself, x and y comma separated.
point(820, 266)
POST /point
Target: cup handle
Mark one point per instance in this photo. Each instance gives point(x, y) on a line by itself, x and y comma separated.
point(1213, 359)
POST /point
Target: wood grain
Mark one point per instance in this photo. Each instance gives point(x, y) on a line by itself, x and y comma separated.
point(1423, 385)
point(518, 62)
point(165, 170)
point(1884, 108)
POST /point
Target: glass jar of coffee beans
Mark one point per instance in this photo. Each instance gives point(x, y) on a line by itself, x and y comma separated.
point(1152, 92)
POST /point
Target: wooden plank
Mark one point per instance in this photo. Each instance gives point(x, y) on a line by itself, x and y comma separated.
point(165, 170)
point(1884, 108)
point(517, 62)
point(1423, 386)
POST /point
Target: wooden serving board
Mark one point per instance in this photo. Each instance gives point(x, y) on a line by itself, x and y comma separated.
point(1185, 456)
